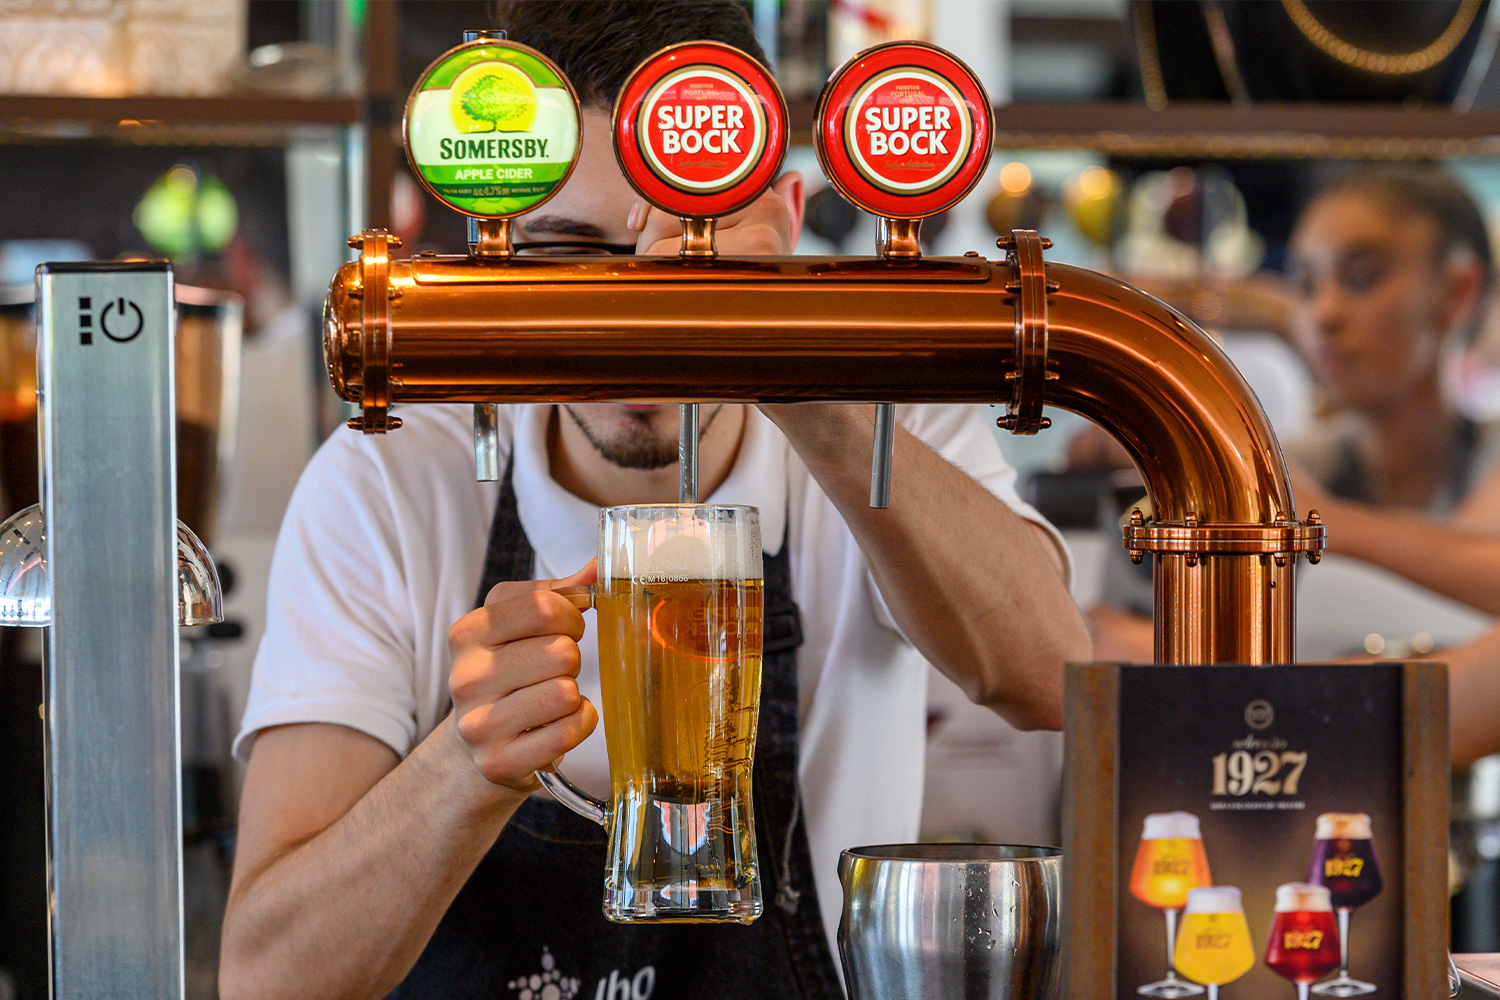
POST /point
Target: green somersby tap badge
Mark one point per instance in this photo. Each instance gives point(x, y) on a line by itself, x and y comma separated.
point(492, 128)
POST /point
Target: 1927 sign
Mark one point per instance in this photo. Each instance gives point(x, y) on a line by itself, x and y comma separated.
point(1265, 831)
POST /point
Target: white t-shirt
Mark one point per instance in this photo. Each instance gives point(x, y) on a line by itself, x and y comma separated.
point(383, 547)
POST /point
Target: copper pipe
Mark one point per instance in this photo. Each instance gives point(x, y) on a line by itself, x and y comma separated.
point(794, 329)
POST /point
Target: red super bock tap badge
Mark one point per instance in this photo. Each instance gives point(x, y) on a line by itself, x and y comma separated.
point(700, 129)
point(903, 130)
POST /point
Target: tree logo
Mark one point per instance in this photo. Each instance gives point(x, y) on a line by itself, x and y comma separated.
point(492, 97)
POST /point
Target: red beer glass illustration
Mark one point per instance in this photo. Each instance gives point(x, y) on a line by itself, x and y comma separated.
point(1344, 861)
point(1303, 943)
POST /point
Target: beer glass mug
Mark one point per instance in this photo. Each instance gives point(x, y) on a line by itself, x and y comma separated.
point(680, 607)
point(1344, 861)
point(1213, 946)
point(1169, 862)
point(1303, 943)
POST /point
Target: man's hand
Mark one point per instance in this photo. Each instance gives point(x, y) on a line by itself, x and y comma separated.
point(767, 227)
point(516, 704)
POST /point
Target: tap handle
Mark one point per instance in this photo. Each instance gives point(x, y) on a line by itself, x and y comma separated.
point(687, 453)
point(880, 457)
point(486, 442)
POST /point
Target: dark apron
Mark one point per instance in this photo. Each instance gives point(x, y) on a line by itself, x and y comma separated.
point(529, 925)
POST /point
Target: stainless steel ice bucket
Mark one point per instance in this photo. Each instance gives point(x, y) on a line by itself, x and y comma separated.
point(957, 921)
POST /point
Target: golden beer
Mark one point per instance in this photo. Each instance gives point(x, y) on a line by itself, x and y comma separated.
point(680, 601)
point(1213, 943)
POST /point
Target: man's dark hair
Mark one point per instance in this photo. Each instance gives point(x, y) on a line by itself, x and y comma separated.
point(598, 42)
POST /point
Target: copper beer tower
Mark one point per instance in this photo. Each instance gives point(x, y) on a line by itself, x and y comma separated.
point(491, 327)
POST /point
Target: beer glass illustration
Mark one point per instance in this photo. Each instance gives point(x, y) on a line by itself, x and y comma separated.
point(1303, 943)
point(1169, 863)
point(1213, 944)
point(1344, 861)
point(680, 603)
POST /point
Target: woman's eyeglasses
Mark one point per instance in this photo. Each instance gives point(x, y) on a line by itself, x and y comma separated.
point(571, 248)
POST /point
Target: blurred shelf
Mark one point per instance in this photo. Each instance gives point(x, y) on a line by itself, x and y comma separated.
point(1223, 131)
point(1262, 131)
point(235, 119)
point(226, 109)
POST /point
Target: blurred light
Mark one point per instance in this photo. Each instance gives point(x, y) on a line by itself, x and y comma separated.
point(1097, 182)
point(1015, 178)
point(183, 217)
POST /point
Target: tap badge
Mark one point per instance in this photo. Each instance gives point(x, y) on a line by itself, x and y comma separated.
point(903, 130)
point(492, 128)
point(700, 129)
point(907, 130)
point(703, 128)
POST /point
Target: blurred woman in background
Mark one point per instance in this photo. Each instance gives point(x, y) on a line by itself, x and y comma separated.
point(1391, 272)
point(1390, 269)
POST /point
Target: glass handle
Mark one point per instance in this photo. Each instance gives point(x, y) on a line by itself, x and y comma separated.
point(574, 797)
point(552, 779)
point(581, 598)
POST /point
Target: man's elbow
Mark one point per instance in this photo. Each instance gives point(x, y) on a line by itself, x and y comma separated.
point(234, 984)
point(239, 977)
point(1037, 705)
point(1030, 696)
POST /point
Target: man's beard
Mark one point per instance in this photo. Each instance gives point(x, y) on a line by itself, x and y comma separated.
point(637, 446)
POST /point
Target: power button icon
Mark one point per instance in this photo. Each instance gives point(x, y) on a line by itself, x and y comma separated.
point(121, 320)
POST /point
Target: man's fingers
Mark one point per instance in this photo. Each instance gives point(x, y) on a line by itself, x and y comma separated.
point(485, 674)
point(516, 616)
point(512, 762)
point(506, 589)
point(540, 704)
point(761, 229)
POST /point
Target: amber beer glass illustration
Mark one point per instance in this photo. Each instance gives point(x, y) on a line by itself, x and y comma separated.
point(1303, 943)
point(1169, 863)
point(1213, 944)
point(679, 603)
point(1344, 861)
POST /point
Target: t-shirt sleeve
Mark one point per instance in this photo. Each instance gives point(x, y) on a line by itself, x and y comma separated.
point(339, 639)
point(962, 435)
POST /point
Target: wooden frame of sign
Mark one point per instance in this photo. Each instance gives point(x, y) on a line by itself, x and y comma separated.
point(1415, 771)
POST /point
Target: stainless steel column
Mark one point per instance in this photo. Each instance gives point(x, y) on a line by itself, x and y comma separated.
point(105, 334)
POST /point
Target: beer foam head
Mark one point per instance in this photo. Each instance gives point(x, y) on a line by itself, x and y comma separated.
point(1214, 899)
point(1171, 826)
point(679, 542)
point(1344, 826)
point(1300, 896)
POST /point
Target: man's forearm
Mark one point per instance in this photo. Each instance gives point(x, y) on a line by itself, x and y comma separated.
point(977, 588)
point(346, 912)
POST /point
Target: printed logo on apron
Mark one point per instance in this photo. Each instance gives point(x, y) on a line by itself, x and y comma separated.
point(551, 984)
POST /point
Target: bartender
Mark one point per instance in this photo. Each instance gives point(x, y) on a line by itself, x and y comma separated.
point(390, 841)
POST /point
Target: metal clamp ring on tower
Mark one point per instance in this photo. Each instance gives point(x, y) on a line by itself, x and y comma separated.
point(1280, 540)
point(1029, 284)
point(375, 331)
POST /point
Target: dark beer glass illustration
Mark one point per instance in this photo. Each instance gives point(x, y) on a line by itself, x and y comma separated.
point(1344, 862)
